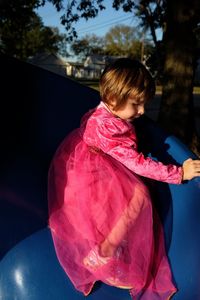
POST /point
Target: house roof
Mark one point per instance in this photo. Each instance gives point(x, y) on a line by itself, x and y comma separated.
point(46, 59)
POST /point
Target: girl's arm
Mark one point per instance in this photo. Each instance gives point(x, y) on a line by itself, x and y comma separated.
point(146, 166)
point(116, 138)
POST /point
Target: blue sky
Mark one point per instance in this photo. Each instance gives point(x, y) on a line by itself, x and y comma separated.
point(99, 25)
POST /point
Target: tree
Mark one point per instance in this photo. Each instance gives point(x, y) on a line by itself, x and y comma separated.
point(122, 40)
point(179, 20)
point(76, 10)
point(88, 45)
point(180, 45)
point(22, 33)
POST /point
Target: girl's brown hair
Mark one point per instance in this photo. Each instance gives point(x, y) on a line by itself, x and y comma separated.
point(126, 78)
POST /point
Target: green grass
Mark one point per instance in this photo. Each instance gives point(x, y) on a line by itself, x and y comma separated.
point(94, 84)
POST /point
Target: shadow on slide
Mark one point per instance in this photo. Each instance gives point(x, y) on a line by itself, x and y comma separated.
point(38, 109)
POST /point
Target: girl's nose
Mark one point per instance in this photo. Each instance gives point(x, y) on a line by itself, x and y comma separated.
point(141, 109)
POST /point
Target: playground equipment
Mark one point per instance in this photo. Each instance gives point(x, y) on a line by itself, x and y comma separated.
point(40, 109)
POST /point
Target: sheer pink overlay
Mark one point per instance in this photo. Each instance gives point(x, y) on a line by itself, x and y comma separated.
point(100, 212)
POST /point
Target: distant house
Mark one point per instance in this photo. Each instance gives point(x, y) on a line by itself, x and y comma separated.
point(75, 69)
point(91, 68)
point(94, 65)
point(50, 62)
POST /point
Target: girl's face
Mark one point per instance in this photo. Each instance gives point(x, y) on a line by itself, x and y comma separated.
point(131, 110)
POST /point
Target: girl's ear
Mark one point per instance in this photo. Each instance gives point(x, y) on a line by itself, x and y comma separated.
point(112, 103)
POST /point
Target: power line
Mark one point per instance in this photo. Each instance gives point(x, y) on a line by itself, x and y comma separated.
point(100, 24)
point(96, 27)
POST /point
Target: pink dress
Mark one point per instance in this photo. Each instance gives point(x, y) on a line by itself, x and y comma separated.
point(101, 216)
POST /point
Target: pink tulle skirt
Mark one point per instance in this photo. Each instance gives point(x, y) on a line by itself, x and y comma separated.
point(103, 224)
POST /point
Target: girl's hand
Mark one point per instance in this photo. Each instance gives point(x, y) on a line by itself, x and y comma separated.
point(191, 169)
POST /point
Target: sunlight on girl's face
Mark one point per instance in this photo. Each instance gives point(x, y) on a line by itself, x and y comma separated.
point(131, 110)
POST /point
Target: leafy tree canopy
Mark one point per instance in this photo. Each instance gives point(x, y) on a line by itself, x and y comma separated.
point(120, 40)
point(88, 45)
point(22, 33)
point(123, 40)
point(150, 12)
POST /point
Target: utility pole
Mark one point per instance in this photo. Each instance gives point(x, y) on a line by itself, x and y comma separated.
point(142, 48)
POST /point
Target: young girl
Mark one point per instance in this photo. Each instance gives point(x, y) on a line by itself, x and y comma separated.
point(102, 220)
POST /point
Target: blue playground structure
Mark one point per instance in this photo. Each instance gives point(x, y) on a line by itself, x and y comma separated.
point(38, 109)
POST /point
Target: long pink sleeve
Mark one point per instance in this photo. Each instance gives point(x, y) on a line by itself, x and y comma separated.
point(118, 139)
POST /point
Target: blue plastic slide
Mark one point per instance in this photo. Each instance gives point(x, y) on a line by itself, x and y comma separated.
point(39, 109)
